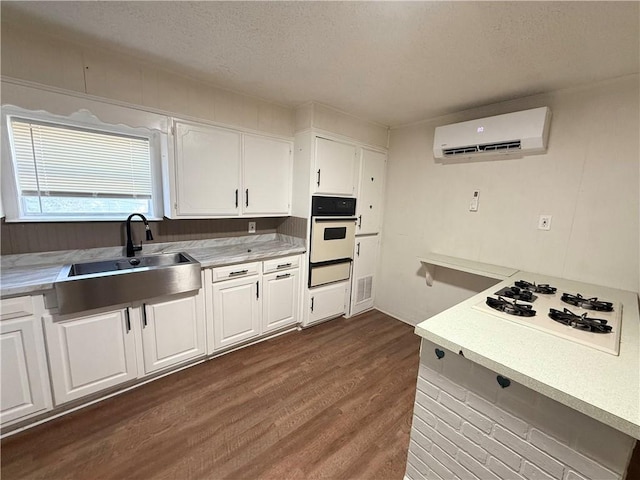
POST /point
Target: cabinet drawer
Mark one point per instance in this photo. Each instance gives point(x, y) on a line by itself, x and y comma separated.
point(16, 307)
point(235, 271)
point(282, 263)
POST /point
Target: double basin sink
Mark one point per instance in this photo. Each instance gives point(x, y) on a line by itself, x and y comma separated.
point(85, 286)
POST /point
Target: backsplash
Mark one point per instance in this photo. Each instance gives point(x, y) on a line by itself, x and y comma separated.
point(45, 237)
point(294, 227)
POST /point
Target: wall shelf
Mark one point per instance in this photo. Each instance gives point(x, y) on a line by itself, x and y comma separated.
point(464, 265)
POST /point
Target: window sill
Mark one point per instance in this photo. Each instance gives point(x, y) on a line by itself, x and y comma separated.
point(77, 219)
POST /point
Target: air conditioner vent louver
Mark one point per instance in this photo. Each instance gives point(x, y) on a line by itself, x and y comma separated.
point(489, 147)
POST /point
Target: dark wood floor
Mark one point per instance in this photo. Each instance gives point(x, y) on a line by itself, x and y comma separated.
point(333, 401)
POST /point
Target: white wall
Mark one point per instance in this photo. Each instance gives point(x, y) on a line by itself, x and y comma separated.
point(29, 55)
point(588, 181)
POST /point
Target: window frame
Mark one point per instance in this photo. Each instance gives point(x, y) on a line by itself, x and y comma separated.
point(82, 119)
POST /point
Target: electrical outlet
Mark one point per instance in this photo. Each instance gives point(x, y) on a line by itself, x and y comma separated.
point(252, 227)
point(544, 222)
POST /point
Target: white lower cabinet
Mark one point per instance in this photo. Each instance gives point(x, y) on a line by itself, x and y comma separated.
point(90, 353)
point(173, 331)
point(24, 379)
point(244, 303)
point(364, 271)
point(326, 302)
point(236, 310)
point(280, 301)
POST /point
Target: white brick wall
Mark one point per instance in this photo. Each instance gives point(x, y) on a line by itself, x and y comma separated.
point(465, 426)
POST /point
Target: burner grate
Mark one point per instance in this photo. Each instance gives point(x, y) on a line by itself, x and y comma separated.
point(581, 322)
point(512, 308)
point(516, 293)
point(587, 303)
point(543, 288)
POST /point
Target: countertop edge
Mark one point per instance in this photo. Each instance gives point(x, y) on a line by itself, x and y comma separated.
point(567, 399)
point(44, 276)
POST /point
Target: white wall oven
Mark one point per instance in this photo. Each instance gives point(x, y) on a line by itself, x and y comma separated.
point(333, 231)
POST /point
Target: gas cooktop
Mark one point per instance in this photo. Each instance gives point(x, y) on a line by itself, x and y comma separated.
point(578, 317)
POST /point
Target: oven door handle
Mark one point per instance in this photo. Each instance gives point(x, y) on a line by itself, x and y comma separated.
point(334, 219)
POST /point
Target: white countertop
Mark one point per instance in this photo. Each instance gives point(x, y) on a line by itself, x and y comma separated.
point(603, 386)
point(28, 273)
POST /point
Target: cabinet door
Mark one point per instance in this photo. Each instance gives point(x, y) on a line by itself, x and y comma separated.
point(173, 331)
point(24, 377)
point(267, 170)
point(326, 302)
point(89, 354)
point(335, 167)
point(207, 170)
point(280, 301)
point(236, 311)
point(364, 269)
point(370, 196)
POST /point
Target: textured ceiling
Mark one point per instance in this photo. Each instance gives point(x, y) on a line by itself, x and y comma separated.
point(391, 62)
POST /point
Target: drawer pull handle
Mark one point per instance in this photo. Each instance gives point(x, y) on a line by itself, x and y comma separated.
point(239, 272)
point(284, 275)
point(284, 265)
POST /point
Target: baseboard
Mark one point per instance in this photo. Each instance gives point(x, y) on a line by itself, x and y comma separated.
point(395, 317)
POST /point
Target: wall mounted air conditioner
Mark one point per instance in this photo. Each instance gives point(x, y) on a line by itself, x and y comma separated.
point(514, 134)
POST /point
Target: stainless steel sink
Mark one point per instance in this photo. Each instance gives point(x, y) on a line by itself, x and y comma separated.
point(104, 266)
point(89, 285)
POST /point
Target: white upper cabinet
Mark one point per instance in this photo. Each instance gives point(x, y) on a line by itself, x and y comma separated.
point(267, 168)
point(336, 168)
point(207, 170)
point(218, 172)
point(371, 192)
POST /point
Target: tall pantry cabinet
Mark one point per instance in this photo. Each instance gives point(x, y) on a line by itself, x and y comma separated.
point(369, 207)
point(333, 165)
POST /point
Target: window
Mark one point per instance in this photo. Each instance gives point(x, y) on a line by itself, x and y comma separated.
point(66, 171)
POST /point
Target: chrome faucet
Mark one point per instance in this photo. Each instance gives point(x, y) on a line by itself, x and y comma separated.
point(131, 248)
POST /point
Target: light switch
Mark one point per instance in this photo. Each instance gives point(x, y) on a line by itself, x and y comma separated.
point(473, 206)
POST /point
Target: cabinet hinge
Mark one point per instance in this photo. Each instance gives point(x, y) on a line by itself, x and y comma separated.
point(173, 130)
point(175, 205)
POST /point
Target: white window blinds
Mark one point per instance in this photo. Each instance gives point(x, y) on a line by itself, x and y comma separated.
point(63, 161)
